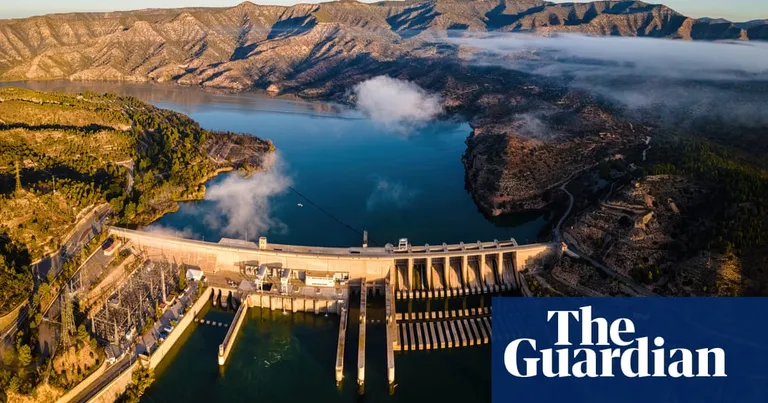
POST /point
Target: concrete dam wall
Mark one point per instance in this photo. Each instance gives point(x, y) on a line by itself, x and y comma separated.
point(372, 263)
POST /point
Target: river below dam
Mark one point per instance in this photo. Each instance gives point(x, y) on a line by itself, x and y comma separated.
point(336, 174)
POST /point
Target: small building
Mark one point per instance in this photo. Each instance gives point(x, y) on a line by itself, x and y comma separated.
point(195, 274)
point(403, 245)
point(319, 279)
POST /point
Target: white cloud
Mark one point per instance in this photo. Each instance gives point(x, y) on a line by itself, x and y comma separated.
point(186, 232)
point(589, 56)
point(399, 105)
point(242, 205)
point(676, 82)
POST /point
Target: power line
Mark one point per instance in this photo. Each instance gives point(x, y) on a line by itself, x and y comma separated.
point(329, 214)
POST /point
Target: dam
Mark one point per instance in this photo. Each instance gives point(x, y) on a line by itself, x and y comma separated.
point(323, 280)
point(418, 271)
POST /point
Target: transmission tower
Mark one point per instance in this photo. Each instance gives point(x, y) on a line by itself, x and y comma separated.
point(67, 318)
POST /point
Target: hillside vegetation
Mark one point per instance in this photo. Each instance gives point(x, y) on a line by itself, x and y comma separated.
point(61, 154)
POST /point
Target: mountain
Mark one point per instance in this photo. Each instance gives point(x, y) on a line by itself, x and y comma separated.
point(751, 24)
point(708, 20)
point(248, 44)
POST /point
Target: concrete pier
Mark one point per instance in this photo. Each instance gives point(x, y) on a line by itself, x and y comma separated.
point(229, 340)
point(412, 338)
point(434, 335)
point(418, 333)
point(361, 340)
point(485, 338)
point(475, 333)
point(409, 283)
point(391, 329)
point(342, 339)
point(440, 334)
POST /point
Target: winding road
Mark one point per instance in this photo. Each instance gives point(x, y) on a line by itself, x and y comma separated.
point(636, 287)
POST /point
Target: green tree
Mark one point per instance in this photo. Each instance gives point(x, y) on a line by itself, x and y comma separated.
point(141, 379)
point(25, 355)
point(182, 279)
point(18, 176)
point(8, 356)
point(82, 335)
point(158, 311)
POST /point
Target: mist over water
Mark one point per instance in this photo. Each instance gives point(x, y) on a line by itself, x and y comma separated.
point(240, 206)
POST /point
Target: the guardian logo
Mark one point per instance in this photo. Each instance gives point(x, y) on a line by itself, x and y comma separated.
point(607, 349)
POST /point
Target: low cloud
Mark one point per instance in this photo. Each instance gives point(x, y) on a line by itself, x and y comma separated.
point(674, 82)
point(531, 125)
point(583, 56)
point(399, 105)
point(389, 195)
point(241, 205)
point(186, 232)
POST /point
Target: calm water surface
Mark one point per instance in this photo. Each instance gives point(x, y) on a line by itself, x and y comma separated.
point(349, 173)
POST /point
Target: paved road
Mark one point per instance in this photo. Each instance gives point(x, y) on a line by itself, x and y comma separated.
point(84, 231)
point(638, 288)
point(107, 377)
point(558, 232)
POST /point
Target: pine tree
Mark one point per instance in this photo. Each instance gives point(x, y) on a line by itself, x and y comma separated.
point(18, 176)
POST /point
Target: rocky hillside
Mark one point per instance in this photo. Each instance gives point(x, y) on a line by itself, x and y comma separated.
point(250, 45)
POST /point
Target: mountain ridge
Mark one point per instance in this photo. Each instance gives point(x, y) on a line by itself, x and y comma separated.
point(198, 45)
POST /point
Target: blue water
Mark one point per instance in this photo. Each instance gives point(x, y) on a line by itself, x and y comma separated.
point(364, 175)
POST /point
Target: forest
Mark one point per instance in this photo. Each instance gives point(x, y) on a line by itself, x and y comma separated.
point(735, 218)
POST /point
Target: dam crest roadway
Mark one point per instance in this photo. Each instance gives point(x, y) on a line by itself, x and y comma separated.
point(415, 268)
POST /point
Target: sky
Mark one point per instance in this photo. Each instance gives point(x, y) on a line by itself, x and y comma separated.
point(735, 10)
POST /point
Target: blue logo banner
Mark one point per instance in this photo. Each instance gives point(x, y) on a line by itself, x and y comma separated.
point(626, 350)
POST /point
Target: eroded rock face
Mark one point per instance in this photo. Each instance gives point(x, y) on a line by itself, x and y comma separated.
point(512, 161)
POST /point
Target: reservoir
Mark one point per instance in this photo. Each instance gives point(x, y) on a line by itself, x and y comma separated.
point(349, 174)
point(336, 174)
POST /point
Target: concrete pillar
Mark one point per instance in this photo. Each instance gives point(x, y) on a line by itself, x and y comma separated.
point(481, 269)
point(464, 271)
point(410, 274)
point(428, 273)
point(446, 270)
point(500, 266)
